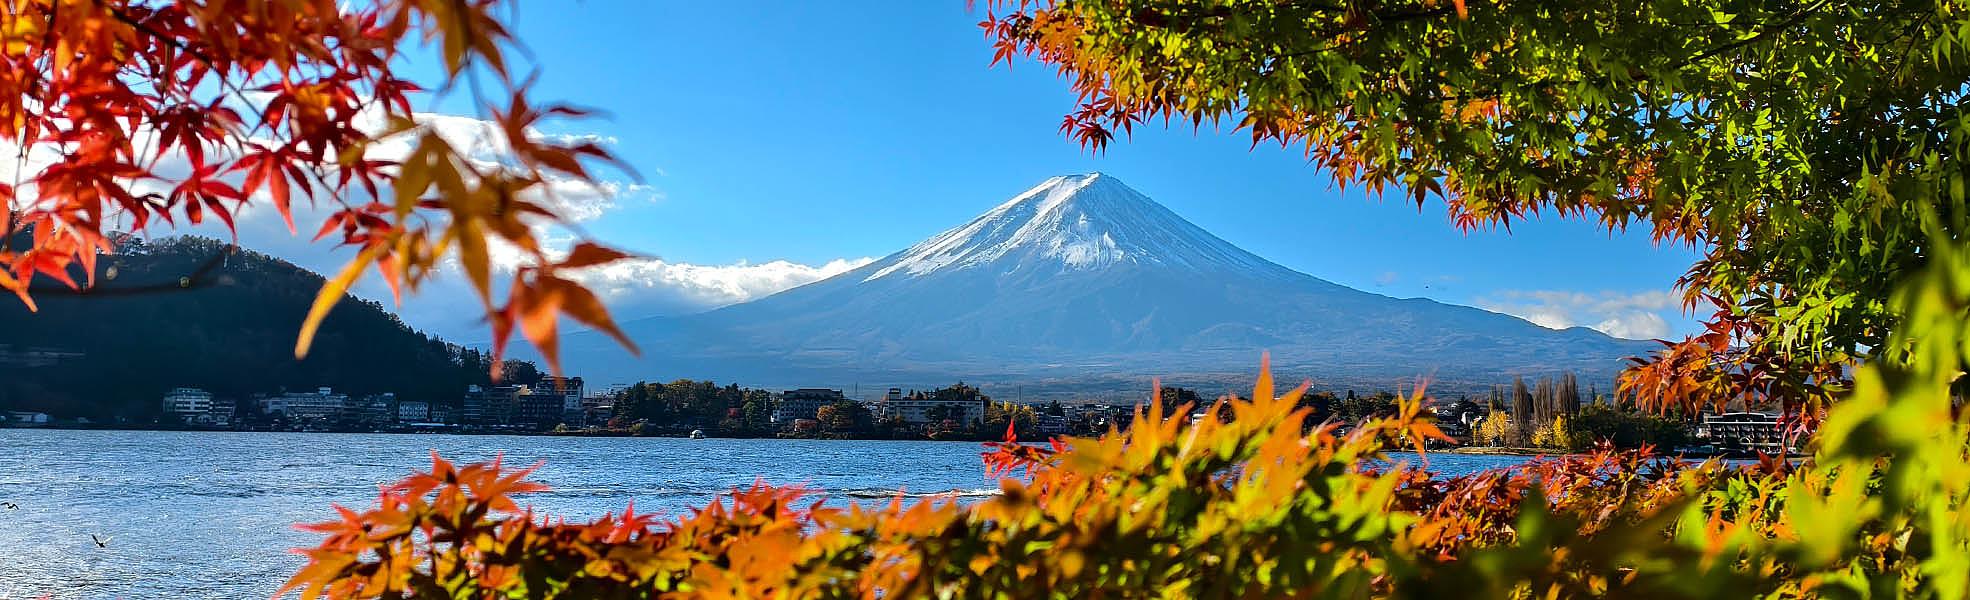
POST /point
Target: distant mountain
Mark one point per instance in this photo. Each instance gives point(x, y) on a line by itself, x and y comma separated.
point(1082, 283)
point(119, 348)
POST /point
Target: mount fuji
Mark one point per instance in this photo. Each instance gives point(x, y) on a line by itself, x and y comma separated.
point(1079, 286)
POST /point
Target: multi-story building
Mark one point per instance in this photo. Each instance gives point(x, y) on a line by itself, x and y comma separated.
point(540, 408)
point(224, 411)
point(803, 403)
point(494, 406)
point(597, 407)
point(413, 411)
point(443, 414)
point(1751, 429)
point(1050, 425)
point(378, 410)
point(571, 389)
point(188, 405)
point(961, 404)
point(320, 405)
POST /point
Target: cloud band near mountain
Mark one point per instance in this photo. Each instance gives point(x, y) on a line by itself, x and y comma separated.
point(1631, 315)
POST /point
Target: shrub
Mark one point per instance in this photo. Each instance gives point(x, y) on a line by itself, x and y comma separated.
point(1245, 508)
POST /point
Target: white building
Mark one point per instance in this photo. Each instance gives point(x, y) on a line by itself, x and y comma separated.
point(188, 403)
point(920, 408)
point(413, 411)
point(322, 404)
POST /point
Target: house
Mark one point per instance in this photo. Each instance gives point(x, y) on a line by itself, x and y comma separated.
point(597, 408)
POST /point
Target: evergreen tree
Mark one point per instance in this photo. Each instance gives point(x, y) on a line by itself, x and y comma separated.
point(1569, 394)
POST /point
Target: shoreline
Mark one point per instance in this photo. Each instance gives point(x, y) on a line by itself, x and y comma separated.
point(1502, 451)
point(603, 433)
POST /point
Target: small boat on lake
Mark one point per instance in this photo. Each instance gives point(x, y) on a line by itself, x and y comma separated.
point(697, 434)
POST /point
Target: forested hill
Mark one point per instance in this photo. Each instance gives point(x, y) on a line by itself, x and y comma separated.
point(118, 348)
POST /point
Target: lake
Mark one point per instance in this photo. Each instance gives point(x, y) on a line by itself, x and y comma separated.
point(211, 514)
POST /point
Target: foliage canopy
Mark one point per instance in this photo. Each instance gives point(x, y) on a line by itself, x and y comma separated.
point(277, 102)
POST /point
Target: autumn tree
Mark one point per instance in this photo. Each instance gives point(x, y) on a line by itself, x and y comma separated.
point(846, 416)
point(128, 115)
point(1811, 150)
point(1002, 415)
point(1497, 429)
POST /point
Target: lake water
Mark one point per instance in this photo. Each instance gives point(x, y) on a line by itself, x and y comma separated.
point(211, 515)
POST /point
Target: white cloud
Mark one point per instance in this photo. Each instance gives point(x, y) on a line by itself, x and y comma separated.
point(1637, 315)
point(1387, 278)
point(707, 286)
point(1635, 326)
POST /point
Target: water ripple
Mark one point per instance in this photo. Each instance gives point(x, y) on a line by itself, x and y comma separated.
point(211, 515)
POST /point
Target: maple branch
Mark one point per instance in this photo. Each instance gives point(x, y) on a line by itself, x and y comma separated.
point(224, 82)
point(168, 40)
point(1795, 19)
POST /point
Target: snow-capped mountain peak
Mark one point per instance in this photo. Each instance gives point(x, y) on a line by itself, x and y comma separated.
point(1083, 284)
point(1075, 222)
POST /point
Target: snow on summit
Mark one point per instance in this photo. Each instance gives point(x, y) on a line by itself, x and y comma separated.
point(1075, 222)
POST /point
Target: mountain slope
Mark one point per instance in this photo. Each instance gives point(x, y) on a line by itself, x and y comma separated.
point(118, 349)
point(1084, 278)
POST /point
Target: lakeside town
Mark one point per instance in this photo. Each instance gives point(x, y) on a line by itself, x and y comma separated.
point(1550, 416)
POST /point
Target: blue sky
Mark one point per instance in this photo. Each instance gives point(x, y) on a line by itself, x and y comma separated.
point(810, 132)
